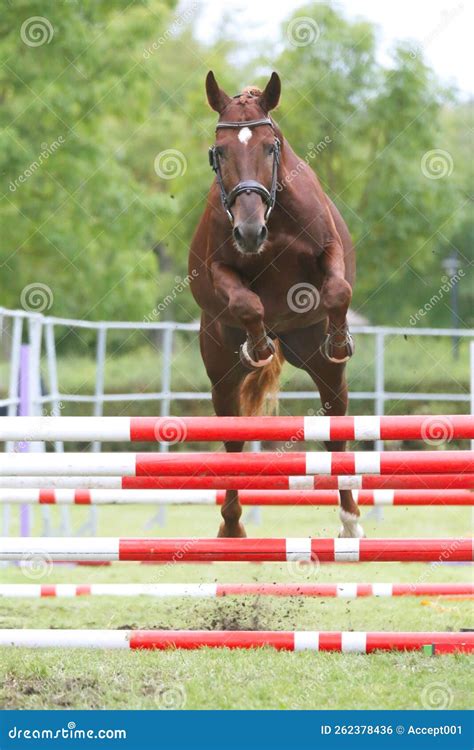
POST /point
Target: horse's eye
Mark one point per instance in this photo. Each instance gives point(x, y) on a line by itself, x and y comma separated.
point(271, 150)
point(220, 152)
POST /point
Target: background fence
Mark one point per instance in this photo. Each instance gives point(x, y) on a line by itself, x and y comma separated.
point(39, 352)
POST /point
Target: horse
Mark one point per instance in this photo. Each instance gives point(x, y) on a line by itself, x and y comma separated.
point(272, 267)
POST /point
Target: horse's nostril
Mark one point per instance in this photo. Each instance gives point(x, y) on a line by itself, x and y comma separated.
point(262, 235)
point(238, 237)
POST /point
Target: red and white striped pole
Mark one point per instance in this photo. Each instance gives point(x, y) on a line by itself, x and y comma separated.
point(99, 549)
point(432, 429)
point(163, 464)
point(211, 590)
point(342, 641)
point(258, 482)
point(246, 497)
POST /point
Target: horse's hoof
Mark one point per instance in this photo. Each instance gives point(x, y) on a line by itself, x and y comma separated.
point(328, 346)
point(351, 528)
point(234, 531)
point(252, 364)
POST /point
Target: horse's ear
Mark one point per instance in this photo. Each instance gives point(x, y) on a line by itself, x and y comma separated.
point(217, 98)
point(271, 94)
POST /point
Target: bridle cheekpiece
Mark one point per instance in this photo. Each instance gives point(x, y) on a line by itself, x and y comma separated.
point(247, 186)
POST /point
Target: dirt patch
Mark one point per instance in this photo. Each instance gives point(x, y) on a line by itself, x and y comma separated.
point(244, 614)
point(62, 694)
point(230, 613)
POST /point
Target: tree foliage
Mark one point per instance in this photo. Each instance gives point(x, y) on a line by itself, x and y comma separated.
point(387, 151)
point(103, 153)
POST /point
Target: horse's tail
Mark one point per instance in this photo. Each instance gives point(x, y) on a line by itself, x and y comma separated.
point(259, 390)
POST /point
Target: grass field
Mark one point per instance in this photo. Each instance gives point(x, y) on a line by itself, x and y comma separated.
point(261, 679)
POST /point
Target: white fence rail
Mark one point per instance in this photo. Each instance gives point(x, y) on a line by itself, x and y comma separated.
point(40, 332)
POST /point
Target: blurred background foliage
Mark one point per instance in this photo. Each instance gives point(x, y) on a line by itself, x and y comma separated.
point(119, 83)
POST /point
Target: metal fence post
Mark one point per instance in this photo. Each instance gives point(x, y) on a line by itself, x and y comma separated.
point(101, 352)
point(98, 410)
point(14, 379)
point(379, 380)
point(166, 376)
point(17, 335)
point(35, 406)
point(55, 407)
point(159, 519)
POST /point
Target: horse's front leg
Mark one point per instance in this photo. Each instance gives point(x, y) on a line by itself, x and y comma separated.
point(338, 344)
point(247, 310)
point(336, 295)
point(226, 375)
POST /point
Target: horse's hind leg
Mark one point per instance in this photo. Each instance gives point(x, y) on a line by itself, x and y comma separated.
point(225, 398)
point(331, 382)
point(302, 349)
point(226, 374)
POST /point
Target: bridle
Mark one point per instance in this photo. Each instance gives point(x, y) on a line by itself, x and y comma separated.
point(247, 186)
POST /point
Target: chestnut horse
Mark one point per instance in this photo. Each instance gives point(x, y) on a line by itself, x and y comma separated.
point(272, 267)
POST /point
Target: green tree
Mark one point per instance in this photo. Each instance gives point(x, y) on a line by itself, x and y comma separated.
point(103, 152)
point(375, 127)
point(76, 93)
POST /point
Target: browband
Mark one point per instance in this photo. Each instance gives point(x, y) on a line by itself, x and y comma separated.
point(245, 123)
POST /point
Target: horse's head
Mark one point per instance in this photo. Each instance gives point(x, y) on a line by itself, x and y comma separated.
point(245, 158)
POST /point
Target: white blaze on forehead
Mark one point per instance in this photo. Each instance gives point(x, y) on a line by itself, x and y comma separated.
point(245, 135)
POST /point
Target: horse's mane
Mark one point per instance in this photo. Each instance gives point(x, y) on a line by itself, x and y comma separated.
point(252, 90)
point(247, 93)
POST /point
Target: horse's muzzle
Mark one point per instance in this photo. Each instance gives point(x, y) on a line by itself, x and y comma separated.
point(250, 236)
